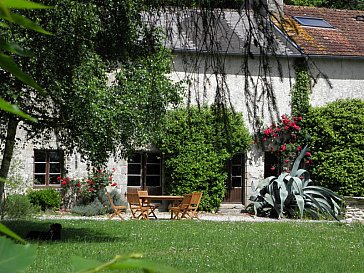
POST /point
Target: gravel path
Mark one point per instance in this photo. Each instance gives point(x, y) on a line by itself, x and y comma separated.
point(203, 216)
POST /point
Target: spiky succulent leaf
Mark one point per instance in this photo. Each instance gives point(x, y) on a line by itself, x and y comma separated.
point(300, 203)
point(297, 162)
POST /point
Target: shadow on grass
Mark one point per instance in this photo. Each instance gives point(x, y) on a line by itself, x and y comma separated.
point(69, 234)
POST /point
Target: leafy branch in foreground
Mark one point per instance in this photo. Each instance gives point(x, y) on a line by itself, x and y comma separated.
point(6, 62)
point(288, 193)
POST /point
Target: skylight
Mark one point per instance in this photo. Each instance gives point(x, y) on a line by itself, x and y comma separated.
point(312, 22)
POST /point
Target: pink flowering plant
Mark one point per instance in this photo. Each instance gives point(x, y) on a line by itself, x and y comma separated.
point(283, 138)
point(85, 190)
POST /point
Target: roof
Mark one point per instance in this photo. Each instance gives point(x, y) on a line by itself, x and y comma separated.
point(346, 38)
point(189, 30)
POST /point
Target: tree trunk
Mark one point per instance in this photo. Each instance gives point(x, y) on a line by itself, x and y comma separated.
point(8, 151)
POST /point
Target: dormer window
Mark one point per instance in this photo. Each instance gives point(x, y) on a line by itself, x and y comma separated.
point(312, 22)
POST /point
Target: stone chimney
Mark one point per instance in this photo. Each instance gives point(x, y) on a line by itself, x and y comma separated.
point(265, 6)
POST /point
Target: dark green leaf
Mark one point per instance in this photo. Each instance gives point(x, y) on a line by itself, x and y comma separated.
point(5, 230)
point(80, 264)
point(143, 264)
point(11, 108)
point(15, 48)
point(23, 4)
point(14, 257)
point(9, 65)
point(25, 22)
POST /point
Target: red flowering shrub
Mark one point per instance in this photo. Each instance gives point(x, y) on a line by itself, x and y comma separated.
point(85, 190)
point(284, 140)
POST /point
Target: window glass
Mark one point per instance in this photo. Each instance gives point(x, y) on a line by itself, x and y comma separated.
point(39, 179)
point(55, 168)
point(40, 168)
point(312, 21)
point(134, 168)
point(153, 169)
point(40, 156)
point(236, 170)
point(54, 156)
point(134, 181)
point(153, 181)
point(53, 179)
point(236, 181)
point(153, 158)
point(135, 158)
point(237, 159)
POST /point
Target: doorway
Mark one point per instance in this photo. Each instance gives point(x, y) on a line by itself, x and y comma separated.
point(235, 183)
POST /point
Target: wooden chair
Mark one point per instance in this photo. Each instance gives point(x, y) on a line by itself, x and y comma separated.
point(117, 209)
point(136, 207)
point(146, 203)
point(191, 212)
point(180, 211)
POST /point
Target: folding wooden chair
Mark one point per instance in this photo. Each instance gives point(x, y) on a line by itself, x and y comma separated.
point(179, 212)
point(191, 211)
point(117, 209)
point(136, 207)
point(146, 203)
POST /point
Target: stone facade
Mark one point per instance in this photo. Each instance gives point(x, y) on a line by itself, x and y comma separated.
point(344, 76)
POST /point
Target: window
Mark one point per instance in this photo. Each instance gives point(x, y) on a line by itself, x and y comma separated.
point(236, 171)
point(312, 22)
point(144, 170)
point(48, 165)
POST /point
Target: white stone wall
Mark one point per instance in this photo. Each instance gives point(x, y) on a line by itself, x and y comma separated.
point(235, 80)
point(346, 77)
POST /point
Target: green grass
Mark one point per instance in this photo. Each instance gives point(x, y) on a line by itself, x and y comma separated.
point(203, 246)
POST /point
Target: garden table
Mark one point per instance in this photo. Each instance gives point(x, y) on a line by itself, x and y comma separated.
point(174, 199)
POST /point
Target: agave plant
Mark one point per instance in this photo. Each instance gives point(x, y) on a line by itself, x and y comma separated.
point(294, 192)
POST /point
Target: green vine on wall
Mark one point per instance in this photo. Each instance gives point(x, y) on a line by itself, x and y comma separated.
point(300, 92)
point(196, 144)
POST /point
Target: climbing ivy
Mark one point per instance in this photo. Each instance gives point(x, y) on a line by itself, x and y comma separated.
point(196, 144)
point(300, 92)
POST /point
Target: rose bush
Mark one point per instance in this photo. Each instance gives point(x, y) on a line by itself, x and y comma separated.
point(284, 139)
point(85, 190)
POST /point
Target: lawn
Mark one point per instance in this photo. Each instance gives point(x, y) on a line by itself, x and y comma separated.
point(204, 246)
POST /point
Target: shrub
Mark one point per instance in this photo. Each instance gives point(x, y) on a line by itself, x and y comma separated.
point(293, 193)
point(92, 209)
point(196, 144)
point(46, 198)
point(18, 206)
point(337, 142)
point(84, 191)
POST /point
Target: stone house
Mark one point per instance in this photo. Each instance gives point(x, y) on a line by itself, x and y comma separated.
point(332, 41)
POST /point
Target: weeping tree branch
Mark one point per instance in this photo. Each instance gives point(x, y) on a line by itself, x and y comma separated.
point(205, 34)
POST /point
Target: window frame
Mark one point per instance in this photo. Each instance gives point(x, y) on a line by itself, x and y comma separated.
point(324, 23)
point(143, 170)
point(47, 172)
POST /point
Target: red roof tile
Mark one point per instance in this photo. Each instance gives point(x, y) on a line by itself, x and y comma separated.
point(345, 39)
